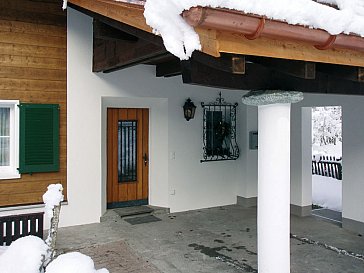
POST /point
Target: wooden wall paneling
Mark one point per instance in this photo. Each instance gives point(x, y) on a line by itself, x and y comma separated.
point(34, 50)
point(29, 61)
point(35, 6)
point(33, 74)
point(31, 85)
point(33, 39)
point(38, 12)
point(33, 53)
point(31, 28)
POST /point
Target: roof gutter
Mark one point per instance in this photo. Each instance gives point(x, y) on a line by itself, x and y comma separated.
point(253, 27)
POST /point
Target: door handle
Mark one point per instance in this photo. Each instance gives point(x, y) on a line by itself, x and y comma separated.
point(146, 159)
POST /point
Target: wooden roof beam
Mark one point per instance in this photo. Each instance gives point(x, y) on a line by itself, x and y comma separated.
point(111, 55)
point(301, 69)
point(349, 73)
point(259, 77)
point(107, 32)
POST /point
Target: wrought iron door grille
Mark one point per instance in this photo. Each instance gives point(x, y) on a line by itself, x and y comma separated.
point(127, 150)
point(219, 131)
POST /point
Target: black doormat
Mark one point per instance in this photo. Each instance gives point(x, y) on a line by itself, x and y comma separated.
point(142, 220)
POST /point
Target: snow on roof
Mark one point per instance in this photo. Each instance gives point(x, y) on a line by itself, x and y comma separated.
point(181, 39)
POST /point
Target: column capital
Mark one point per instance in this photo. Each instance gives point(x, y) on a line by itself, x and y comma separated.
point(265, 97)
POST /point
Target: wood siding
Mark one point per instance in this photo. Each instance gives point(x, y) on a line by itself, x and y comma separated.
point(33, 69)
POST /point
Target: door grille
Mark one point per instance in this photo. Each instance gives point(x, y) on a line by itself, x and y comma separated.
point(127, 150)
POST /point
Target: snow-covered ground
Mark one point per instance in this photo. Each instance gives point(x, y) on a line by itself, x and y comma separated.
point(327, 141)
point(2, 249)
point(326, 192)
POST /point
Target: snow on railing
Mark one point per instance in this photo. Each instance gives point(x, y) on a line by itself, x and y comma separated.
point(329, 166)
point(52, 200)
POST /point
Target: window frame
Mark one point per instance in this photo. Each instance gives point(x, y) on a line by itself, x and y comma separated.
point(11, 171)
point(219, 131)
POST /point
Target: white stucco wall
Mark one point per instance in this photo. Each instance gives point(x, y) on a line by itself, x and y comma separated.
point(353, 152)
point(177, 178)
point(248, 173)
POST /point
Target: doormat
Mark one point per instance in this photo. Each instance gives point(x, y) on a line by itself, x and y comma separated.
point(133, 211)
point(142, 220)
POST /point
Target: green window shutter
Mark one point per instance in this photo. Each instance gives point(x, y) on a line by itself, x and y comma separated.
point(39, 138)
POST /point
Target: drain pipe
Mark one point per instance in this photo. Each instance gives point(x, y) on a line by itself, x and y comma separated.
point(253, 27)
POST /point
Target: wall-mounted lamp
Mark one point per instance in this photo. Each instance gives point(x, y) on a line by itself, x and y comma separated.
point(189, 109)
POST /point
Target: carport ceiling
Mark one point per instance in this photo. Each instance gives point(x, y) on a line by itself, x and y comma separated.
point(121, 39)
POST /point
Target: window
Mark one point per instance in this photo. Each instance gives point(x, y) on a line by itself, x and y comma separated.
point(9, 139)
point(219, 131)
point(127, 150)
point(217, 134)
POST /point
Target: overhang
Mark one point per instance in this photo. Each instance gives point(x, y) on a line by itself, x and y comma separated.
point(239, 51)
point(228, 31)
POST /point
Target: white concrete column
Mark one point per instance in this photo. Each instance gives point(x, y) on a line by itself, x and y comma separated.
point(273, 188)
point(273, 178)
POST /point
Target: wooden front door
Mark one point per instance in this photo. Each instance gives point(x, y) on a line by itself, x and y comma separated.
point(127, 157)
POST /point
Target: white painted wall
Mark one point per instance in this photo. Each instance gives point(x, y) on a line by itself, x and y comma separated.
point(248, 173)
point(194, 184)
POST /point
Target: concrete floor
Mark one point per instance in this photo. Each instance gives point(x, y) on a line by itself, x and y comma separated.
point(222, 240)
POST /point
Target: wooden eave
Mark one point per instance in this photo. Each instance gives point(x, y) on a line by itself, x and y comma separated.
point(214, 42)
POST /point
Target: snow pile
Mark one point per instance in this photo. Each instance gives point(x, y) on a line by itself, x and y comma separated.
point(73, 262)
point(327, 192)
point(3, 249)
point(53, 197)
point(24, 255)
point(181, 40)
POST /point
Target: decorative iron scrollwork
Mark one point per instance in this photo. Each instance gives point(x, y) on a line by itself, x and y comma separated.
point(219, 131)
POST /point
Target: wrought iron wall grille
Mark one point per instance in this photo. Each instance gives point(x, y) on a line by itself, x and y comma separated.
point(127, 151)
point(219, 131)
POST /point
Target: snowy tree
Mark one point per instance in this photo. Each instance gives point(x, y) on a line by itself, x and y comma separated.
point(326, 125)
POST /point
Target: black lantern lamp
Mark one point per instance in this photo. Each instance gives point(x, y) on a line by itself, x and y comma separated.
point(189, 109)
